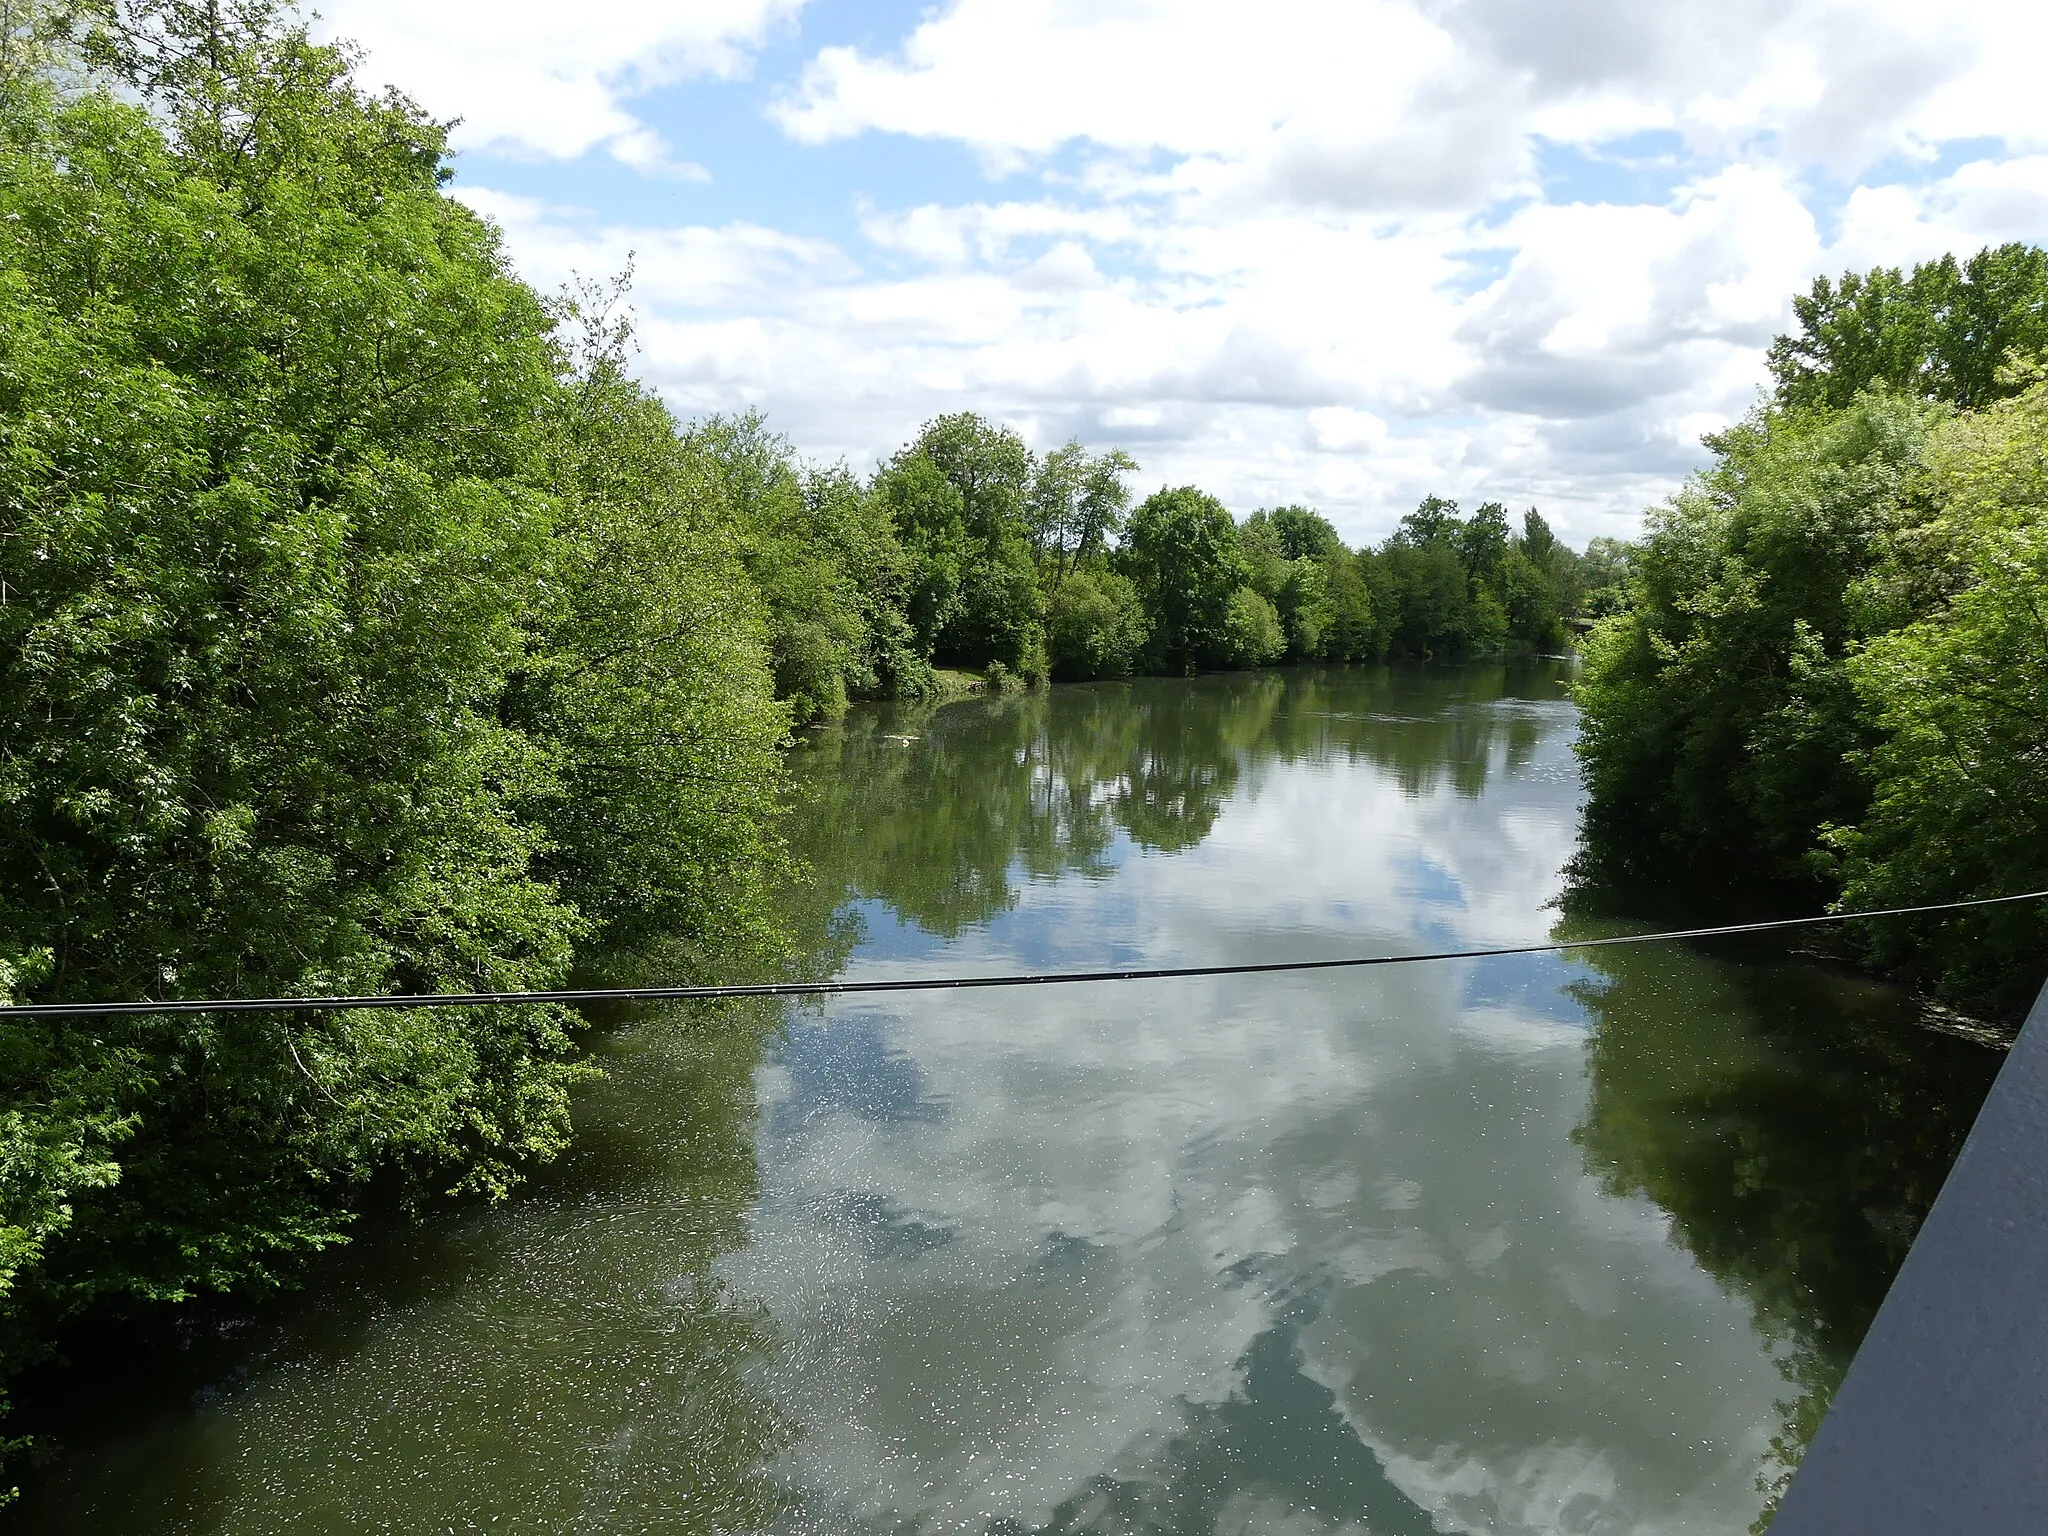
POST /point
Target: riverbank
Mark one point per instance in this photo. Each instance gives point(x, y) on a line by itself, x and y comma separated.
point(874, 1266)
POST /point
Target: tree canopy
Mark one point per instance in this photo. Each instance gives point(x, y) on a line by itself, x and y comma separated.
point(1824, 665)
point(1944, 331)
point(362, 630)
point(365, 626)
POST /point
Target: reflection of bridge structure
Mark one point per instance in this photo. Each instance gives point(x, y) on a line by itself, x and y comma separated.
point(1942, 1422)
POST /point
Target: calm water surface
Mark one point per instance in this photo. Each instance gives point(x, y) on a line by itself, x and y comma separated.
point(1518, 1245)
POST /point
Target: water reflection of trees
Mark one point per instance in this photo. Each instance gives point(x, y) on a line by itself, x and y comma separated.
point(1793, 1121)
point(1277, 1454)
point(938, 811)
point(570, 1360)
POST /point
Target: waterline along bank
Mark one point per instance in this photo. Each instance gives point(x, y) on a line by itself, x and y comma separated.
point(1510, 1244)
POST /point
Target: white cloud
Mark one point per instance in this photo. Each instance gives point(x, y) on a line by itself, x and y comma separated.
point(676, 267)
point(1389, 103)
point(1341, 429)
point(1232, 241)
point(1984, 202)
point(546, 81)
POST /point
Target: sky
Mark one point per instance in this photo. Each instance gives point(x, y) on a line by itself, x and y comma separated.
point(1343, 255)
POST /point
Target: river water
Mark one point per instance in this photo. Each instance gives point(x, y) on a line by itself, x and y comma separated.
point(1530, 1244)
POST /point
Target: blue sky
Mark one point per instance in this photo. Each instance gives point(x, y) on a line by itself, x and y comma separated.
point(1341, 254)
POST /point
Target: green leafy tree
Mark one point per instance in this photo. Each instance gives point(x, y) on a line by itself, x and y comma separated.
point(1305, 535)
point(996, 612)
point(1529, 602)
point(1180, 551)
point(1943, 331)
point(1356, 627)
point(1600, 579)
point(1096, 626)
point(924, 509)
point(1252, 635)
point(355, 636)
point(857, 528)
point(649, 682)
point(1432, 608)
point(270, 550)
point(1959, 698)
point(1482, 541)
point(1719, 720)
point(1262, 555)
point(1290, 555)
point(1435, 519)
point(1303, 605)
point(1077, 505)
point(825, 562)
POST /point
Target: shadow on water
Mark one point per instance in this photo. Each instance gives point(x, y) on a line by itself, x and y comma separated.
point(1795, 1123)
point(567, 1362)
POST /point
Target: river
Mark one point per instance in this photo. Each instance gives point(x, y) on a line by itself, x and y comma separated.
point(1531, 1244)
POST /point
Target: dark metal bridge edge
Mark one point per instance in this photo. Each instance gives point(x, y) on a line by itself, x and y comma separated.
point(1942, 1422)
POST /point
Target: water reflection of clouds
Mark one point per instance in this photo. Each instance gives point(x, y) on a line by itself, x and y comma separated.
point(1532, 985)
point(848, 1066)
point(1425, 880)
point(1166, 1166)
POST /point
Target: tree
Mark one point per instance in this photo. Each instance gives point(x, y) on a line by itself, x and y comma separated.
point(1252, 635)
point(924, 509)
point(1077, 505)
point(650, 679)
point(271, 551)
point(357, 634)
point(1356, 629)
point(1600, 579)
point(1096, 627)
point(1719, 721)
point(1434, 519)
point(1432, 599)
point(996, 613)
point(1483, 543)
point(1944, 331)
point(1959, 698)
point(1305, 535)
point(825, 562)
point(1180, 552)
point(1303, 606)
point(987, 464)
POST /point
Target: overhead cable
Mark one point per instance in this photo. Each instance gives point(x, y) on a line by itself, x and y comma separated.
point(185, 1005)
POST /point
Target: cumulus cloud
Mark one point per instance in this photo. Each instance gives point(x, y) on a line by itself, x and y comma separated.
point(1389, 102)
point(1605, 306)
point(550, 81)
point(1346, 254)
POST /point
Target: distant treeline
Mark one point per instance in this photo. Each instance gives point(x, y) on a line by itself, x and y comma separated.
point(965, 549)
point(1833, 667)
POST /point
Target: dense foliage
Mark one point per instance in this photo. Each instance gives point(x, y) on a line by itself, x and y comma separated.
point(1829, 668)
point(1036, 567)
point(1944, 331)
point(357, 633)
point(365, 627)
